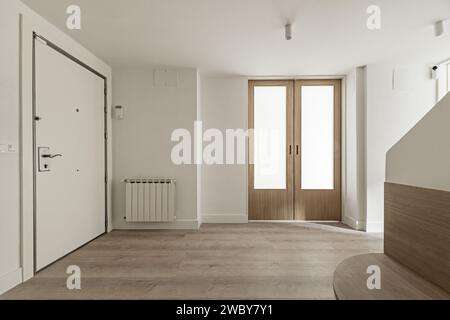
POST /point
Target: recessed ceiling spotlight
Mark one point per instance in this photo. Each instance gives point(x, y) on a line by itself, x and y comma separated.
point(288, 31)
point(439, 28)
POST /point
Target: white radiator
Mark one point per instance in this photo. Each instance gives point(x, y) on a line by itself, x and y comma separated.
point(150, 200)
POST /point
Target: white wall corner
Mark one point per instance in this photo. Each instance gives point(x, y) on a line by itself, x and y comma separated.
point(10, 280)
point(353, 146)
point(225, 218)
point(375, 227)
point(359, 225)
point(199, 166)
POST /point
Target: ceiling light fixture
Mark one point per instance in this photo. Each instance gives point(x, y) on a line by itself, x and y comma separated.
point(288, 31)
point(439, 28)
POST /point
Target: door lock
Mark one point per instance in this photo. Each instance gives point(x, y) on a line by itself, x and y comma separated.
point(44, 159)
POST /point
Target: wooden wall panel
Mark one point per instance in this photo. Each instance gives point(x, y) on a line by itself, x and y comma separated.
point(417, 231)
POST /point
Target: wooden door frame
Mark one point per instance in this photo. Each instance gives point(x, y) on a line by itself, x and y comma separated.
point(289, 212)
point(340, 101)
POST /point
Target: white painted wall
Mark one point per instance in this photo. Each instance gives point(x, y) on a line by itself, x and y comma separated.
point(16, 211)
point(224, 187)
point(422, 157)
point(142, 141)
point(354, 210)
point(390, 115)
point(10, 263)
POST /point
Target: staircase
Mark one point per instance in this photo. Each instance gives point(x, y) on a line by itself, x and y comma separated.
point(416, 259)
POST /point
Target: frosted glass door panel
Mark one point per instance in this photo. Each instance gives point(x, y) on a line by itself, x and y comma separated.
point(317, 138)
point(270, 137)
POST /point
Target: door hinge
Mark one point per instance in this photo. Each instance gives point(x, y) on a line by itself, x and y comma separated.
point(106, 135)
point(106, 91)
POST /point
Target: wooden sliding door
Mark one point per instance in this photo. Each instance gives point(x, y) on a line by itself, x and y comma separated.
point(317, 142)
point(271, 178)
point(295, 150)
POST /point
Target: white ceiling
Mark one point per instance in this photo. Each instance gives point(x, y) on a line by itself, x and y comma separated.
point(246, 36)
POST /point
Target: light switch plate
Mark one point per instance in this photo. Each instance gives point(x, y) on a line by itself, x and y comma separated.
point(12, 148)
point(8, 148)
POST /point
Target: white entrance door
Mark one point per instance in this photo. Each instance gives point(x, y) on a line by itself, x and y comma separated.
point(70, 155)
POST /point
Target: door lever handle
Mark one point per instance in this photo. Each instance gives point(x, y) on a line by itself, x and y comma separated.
point(51, 156)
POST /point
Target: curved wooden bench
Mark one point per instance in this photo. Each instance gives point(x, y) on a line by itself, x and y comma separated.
point(397, 281)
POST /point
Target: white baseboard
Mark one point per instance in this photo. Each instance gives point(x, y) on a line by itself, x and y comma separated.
point(224, 218)
point(10, 280)
point(375, 227)
point(359, 225)
point(176, 225)
point(295, 221)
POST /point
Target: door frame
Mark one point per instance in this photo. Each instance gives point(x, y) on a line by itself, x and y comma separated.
point(343, 79)
point(52, 46)
point(29, 25)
